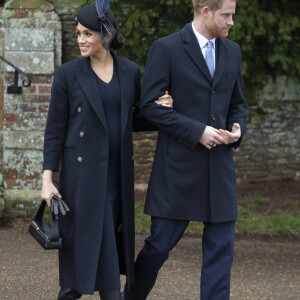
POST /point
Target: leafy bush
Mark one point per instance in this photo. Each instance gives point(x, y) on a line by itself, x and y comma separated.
point(269, 35)
point(267, 31)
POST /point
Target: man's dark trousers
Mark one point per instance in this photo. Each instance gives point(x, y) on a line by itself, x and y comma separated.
point(217, 248)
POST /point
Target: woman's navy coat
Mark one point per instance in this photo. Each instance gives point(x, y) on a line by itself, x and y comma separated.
point(76, 135)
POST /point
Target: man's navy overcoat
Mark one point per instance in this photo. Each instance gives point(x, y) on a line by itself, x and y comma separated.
point(188, 181)
point(76, 135)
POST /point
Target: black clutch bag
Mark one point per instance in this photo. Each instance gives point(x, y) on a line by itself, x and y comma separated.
point(47, 234)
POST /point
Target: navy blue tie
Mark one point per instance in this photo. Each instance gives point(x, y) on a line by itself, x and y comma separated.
point(209, 57)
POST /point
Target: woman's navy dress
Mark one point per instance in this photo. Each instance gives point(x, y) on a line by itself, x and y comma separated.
point(108, 275)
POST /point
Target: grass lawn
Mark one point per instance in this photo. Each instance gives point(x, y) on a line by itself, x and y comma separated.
point(256, 216)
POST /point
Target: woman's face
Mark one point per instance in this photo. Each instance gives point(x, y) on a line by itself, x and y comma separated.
point(88, 41)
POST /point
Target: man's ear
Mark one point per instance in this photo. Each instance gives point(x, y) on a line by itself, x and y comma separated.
point(205, 11)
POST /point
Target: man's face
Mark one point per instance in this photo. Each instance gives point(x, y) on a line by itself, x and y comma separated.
point(220, 21)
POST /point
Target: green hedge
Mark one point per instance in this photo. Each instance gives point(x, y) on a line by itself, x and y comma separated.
point(267, 30)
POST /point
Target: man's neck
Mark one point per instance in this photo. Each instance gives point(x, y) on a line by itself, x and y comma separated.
point(200, 27)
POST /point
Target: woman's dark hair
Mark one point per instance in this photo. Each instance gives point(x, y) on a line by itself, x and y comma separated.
point(118, 40)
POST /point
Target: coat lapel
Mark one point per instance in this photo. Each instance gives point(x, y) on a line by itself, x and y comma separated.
point(87, 82)
point(125, 91)
point(193, 50)
point(221, 60)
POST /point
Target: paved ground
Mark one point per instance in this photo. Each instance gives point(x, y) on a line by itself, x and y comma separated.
point(262, 269)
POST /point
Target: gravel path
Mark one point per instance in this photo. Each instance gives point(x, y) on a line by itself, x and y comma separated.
point(262, 269)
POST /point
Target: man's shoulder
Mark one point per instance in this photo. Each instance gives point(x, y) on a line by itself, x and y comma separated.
point(230, 44)
point(169, 40)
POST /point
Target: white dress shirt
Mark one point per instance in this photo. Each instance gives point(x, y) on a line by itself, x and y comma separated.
point(202, 43)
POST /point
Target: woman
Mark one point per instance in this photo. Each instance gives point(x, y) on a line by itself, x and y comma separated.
point(93, 110)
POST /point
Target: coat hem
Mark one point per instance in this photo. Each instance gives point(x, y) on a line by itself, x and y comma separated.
point(181, 218)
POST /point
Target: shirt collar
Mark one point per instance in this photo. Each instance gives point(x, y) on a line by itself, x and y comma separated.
point(201, 39)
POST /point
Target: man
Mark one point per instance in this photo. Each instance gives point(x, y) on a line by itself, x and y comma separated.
point(193, 175)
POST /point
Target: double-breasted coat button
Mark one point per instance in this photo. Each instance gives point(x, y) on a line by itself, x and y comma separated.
point(214, 117)
point(80, 159)
point(79, 109)
point(81, 133)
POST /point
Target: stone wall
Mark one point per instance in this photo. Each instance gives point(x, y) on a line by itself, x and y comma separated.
point(31, 40)
point(271, 148)
point(66, 9)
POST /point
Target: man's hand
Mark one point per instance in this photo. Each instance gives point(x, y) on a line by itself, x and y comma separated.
point(233, 136)
point(211, 137)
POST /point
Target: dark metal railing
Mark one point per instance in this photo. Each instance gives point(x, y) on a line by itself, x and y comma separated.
point(15, 89)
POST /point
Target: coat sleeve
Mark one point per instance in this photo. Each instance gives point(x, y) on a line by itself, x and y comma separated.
point(155, 83)
point(57, 122)
point(238, 106)
point(140, 123)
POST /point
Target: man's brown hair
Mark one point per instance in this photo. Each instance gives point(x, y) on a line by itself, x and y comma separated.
point(212, 4)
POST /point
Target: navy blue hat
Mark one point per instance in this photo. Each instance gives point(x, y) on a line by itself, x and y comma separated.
point(99, 18)
point(89, 18)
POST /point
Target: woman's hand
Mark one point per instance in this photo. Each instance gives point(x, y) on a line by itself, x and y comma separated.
point(165, 100)
point(48, 188)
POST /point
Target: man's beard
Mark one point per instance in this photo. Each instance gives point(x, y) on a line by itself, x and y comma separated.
point(216, 31)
